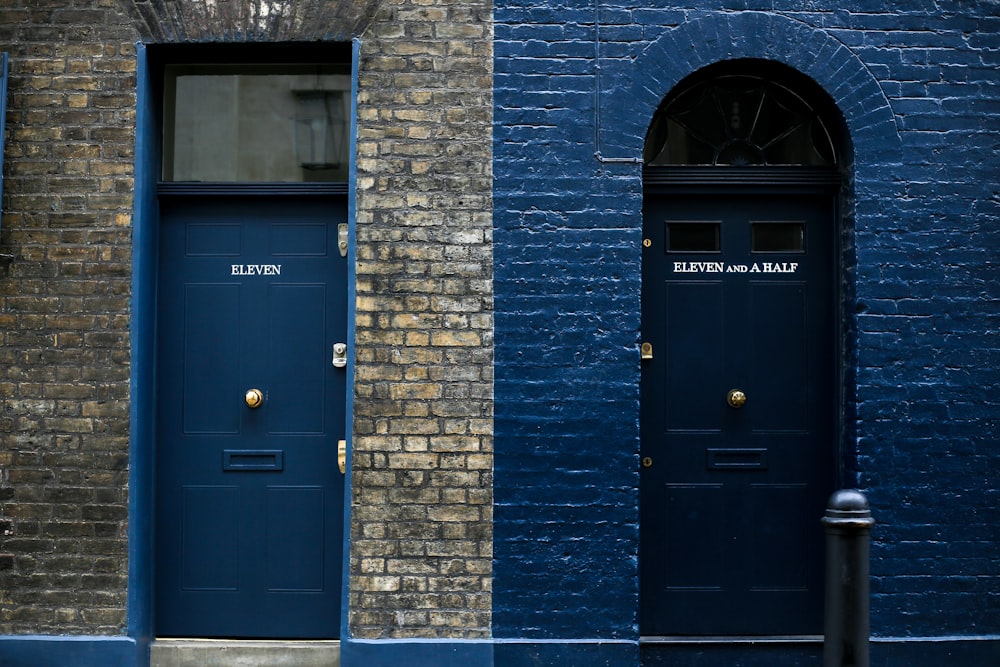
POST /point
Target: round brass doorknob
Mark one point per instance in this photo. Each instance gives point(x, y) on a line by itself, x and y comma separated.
point(254, 397)
point(736, 398)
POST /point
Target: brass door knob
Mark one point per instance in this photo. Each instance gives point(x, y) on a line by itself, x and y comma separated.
point(253, 398)
point(736, 398)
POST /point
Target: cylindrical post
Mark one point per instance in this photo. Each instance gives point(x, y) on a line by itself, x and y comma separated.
point(848, 521)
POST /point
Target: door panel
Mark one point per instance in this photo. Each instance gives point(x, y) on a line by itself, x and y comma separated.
point(295, 538)
point(297, 341)
point(703, 327)
point(212, 362)
point(249, 501)
point(776, 327)
point(738, 293)
point(210, 516)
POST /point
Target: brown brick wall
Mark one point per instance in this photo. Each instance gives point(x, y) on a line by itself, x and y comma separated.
point(421, 533)
point(422, 537)
point(64, 339)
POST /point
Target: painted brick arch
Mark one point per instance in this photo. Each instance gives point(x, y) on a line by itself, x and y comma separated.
point(718, 37)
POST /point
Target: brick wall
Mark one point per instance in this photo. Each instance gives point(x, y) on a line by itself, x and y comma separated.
point(422, 501)
point(248, 20)
point(566, 246)
point(918, 88)
point(421, 538)
point(64, 318)
point(64, 311)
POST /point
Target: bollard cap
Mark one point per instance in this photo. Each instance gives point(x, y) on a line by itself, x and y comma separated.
point(848, 508)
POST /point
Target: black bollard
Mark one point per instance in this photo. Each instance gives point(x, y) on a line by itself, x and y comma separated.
point(848, 522)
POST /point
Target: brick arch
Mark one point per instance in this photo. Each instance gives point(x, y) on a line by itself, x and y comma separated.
point(696, 44)
point(249, 20)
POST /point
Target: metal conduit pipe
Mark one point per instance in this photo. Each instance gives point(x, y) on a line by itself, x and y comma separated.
point(597, 97)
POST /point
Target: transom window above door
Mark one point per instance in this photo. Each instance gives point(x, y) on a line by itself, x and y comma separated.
point(738, 120)
point(282, 123)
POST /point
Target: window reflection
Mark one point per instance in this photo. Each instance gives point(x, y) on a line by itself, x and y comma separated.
point(738, 120)
point(777, 237)
point(237, 123)
point(693, 237)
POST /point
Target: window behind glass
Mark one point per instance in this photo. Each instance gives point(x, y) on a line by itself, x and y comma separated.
point(256, 123)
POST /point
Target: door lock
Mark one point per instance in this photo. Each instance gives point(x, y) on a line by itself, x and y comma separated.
point(339, 355)
point(342, 237)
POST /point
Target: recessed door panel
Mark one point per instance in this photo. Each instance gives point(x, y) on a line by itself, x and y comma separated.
point(302, 239)
point(695, 509)
point(694, 316)
point(776, 326)
point(295, 539)
point(214, 240)
point(210, 518)
point(249, 496)
point(738, 408)
point(212, 362)
point(779, 547)
point(298, 335)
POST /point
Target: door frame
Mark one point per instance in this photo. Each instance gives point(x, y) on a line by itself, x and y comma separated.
point(143, 392)
point(712, 181)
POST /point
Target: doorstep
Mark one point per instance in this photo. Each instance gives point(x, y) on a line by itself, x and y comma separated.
point(243, 653)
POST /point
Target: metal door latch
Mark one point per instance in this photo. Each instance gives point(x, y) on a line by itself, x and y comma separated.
point(339, 355)
point(342, 238)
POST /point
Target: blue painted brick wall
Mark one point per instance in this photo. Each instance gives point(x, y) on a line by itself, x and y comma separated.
point(926, 294)
point(565, 484)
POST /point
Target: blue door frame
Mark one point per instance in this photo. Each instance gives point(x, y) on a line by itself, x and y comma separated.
point(135, 648)
point(739, 294)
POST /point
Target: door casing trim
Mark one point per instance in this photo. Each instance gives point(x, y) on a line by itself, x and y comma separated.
point(142, 390)
point(774, 181)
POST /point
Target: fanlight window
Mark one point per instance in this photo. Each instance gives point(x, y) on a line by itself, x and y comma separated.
point(738, 120)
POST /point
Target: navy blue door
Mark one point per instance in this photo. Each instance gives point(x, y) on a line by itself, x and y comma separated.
point(739, 402)
point(249, 498)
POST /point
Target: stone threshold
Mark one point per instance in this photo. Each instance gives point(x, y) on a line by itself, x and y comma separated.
point(243, 653)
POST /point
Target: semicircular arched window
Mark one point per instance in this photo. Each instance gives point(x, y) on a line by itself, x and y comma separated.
point(738, 120)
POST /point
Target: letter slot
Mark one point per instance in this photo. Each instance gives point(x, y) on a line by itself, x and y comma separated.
point(237, 460)
point(737, 459)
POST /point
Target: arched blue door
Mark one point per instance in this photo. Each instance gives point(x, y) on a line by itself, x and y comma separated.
point(739, 403)
point(249, 498)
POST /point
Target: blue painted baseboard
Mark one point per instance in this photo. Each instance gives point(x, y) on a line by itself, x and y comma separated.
point(52, 651)
point(935, 651)
point(729, 654)
point(565, 653)
point(487, 653)
point(416, 652)
point(885, 652)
